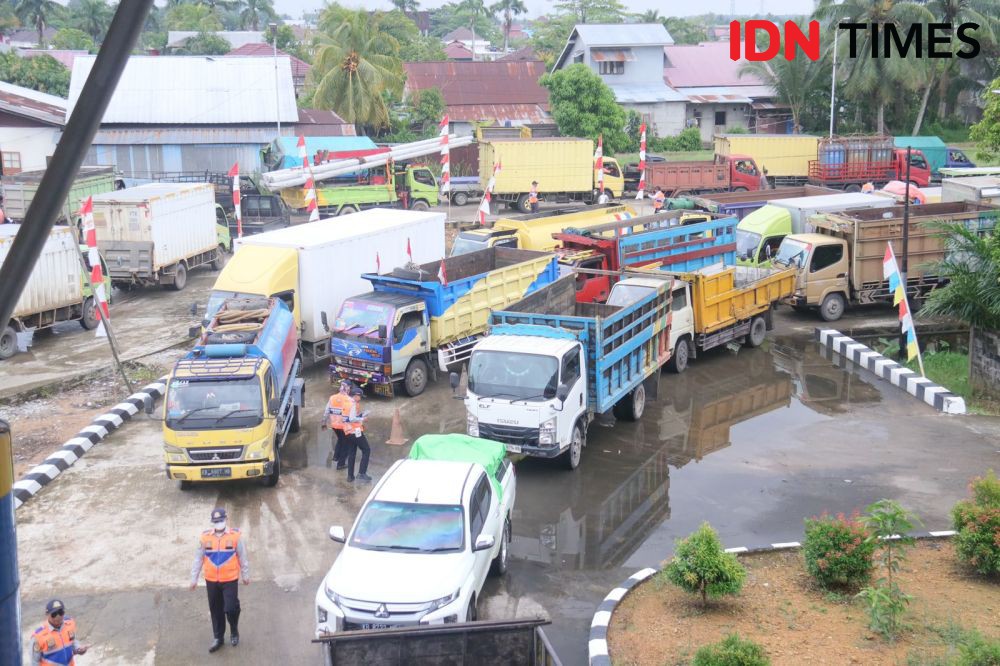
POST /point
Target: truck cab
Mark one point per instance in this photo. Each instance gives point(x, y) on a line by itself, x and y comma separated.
point(823, 268)
point(744, 175)
point(257, 271)
point(759, 235)
point(957, 159)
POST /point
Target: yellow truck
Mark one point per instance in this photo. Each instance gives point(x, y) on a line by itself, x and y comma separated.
point(534, 231)
point(785, 156)
point(564, 168)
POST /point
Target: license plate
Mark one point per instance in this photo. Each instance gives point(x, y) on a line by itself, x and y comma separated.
point(216, 473)
point(513, 448)
point(372, 625)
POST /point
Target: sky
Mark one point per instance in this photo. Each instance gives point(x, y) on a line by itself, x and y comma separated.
point(294, 8)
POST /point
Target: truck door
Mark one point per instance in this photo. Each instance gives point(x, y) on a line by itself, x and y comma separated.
point(682, 315)
point(592, 288)
point(920, 171)
point(570, 372)
point(410, 337)
point(827, 272)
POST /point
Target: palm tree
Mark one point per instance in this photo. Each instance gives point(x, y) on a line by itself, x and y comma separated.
point(510, 9)
point(955, 13)
point(972, 266)
point(406, 6)
point(93, 17)
point(473, 9)
point(37, 13)
point(354, 66)
point(254, 10)
point(649, 16)
point(867, 77)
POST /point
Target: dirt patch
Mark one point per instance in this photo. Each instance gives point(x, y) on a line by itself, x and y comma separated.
point(783, 610)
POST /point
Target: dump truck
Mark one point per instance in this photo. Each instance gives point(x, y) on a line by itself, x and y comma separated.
point(938, 154)
point(232, 401)
point(672, 241)
point(759, 234)
point(742, 204)
point(974, 189)
point(534, 230)
point(19, 190)
point(394, 185)
point(564, 168)
point(726, 173)
point(156, 233)
point(841, 263)
point(429, 317)
point(313, 267)
point(58, 289)
point(550, 365)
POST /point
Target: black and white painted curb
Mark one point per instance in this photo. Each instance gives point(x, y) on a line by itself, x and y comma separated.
point(597, 647)
point(102, 426)
point(898, 375)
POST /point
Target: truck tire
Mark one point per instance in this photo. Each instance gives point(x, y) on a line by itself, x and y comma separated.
point(758, 331)
point(832, 308)
point(678, 362)
point(498, 567)
point(347, 210)
point(415, 377)
point(522, 204)
point(460, 198)
point(739, 189)
point(420, 205)
point(180, 277)
point(296, 423)
point(853, 187)
point(578, 439)
point(631, 407)
point(220, 258)
point(271, 480)
point(8, 342)
point(89, 318)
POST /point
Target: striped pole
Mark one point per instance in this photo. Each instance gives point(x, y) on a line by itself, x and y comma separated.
point(599, 158)
point(234, 173)
point(94, 257)
point(484, 206)
point(10, 598)
point(642, 162)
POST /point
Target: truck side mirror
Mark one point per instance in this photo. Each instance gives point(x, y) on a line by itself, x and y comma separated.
point(767, 251)
point(322, 318)
point(484, 542)
point(272, 405)
point(383, 332)
point(562, 392)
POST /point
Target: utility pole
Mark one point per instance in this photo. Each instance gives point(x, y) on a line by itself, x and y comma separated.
point(273, 29)
point(904, 261)
point(833, 80)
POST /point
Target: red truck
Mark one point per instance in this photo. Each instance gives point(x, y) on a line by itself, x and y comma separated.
point(848, 163)
point(732, 173)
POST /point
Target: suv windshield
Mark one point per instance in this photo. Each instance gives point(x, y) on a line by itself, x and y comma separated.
point(197, 405)
point(747, 243)
point(358, 319)
point(494, 374)
point(792, 253)
point(421, 528)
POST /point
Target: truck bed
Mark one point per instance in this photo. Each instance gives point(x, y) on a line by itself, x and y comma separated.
point(722, 297)
point(718, 203)
point(674, 176)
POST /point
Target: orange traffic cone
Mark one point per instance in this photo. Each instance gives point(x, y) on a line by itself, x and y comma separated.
point(396, 437)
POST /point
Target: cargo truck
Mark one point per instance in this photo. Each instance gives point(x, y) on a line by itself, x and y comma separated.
point(550, 365)
point(841, 263)
point(231, 401)
point(785, 156)
point(260, 212)
point(759, 234)
point(156, 233)
point(425, 317)
point(741, 204)
point(938, 154)
point(313, 267)
point(974, 189)
point(394, 185)
point(564, 168)
point(534, 230)
point(58, 289)
point(463, 189)
point(727, 173)
point(19, 190)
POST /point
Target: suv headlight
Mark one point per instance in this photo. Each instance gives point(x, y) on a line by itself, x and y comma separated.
point(472, 425)
point(547, 432)
point(330, 594)
point(444, 601)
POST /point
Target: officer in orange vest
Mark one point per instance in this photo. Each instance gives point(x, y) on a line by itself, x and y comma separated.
point(658, 200)
point(223, 556)
point(354, 433)
point(55, 641)
point(533, 196)
point(336, 411)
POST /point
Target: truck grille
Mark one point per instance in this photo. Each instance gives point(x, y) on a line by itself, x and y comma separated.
point(509, 434)
point(220, 454)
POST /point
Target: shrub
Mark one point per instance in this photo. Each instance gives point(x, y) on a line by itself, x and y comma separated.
point(978, 651)
point(688, 140)
point(731, 651)
point(700, 565)
point(838, 551)
point(888, 523)
point(977, 522)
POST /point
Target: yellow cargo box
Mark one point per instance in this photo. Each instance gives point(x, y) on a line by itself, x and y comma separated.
point(783, 155)
point(727, 296)
point(559, 165)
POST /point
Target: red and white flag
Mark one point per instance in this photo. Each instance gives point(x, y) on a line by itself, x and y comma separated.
point(378, 264)
point(234, 173)
point(409, 251)
point(599, 163)
point(443, 275)
point(484, 206)
point(312, 205)
point(445, 156)
point(94, 258)
point(642, 162)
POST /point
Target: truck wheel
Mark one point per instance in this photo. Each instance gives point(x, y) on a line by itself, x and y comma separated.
point(678, 362)
point(572, 457)
point(832, 308)
point(420, 205)
point(498, 567)
point(522, 204)
point(415, 378)
point(89, 320)
point(347, 210)
point(471, 614)
point(739, 189)
point(8, 342)
point(296, 423)
point(271, 480)
point(758, 331)
point(853, 187)
point(220, 258)
point(180, 277)
point(460, 198)
point(634, 404)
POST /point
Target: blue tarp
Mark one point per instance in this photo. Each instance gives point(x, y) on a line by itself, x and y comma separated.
point(286, 151)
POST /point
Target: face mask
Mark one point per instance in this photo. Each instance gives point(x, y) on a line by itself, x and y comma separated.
point(220, 526)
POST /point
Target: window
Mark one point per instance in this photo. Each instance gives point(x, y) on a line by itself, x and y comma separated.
point(593, 263)
point(287, 297)
point(506, 242)
point(571, 367)
point(502, 470)
point(918, 161)
point(824, 256)
point(480, 508)
point(611, 67)
point(424, 177)
point(720, 117)
point(957, 156)
point(611, 169)
point(220, 217)
point(250, 206)
point(770, 248)
point(11, 163)
point(268, 387)
point(679, 300)
point(406, 322)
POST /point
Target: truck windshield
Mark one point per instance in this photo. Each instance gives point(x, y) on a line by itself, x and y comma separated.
point(494, 374)
point(214, 405)
point(361, 320)
point(626, 294)
point(747, 243)
point(418, 528)
point(792, 253)
point(465, 244)
point(217, 298)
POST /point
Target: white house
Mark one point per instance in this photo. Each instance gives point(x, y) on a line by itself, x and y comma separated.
point(629, 58)
point(30, 126)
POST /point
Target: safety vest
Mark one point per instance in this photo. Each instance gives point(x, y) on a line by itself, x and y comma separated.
point(222, 564)
point(339, 406)
point(355, 427)
point(533, 196)
point(56, 645)
point(658, 200)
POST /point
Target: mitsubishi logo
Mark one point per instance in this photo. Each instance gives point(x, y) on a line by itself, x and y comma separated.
point(382, 611)
point(215, 456)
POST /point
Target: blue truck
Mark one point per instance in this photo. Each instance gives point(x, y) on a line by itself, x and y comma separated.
point(550, 365)
point(391, 335)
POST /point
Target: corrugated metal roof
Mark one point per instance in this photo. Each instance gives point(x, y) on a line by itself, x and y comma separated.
point(646, 93)
point(236, 38)
point(715, 95)
point(612, 55)
point(300, 68)
point(184, 135)
point(471, 83)
point(521, 113)
point(32, 104)
point(524, 53)
point(194, 90)
point(623, 34)
point(705, 64)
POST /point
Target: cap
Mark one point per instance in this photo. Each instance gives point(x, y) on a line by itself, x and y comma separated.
point(218, 515)
point(356, 391)
point(346, 384)
point(54, 605)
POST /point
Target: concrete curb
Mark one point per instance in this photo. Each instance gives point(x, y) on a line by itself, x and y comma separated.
point(597, 646)
point(73, 449)
point(921, 388)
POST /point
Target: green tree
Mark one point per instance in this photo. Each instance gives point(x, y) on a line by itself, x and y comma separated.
point(354, 66)
point(474, 10)
point(42, 73)
point(549, 37)
point(450, 16)
point(193, 17)
point(685, 31)
point(509, 9)
point(649, 16)
point(333, 16)
point(254, 11)
point(986, 133)
point(972, 266)
point(92, 17)
point(37, 14)
point(428, 109)
point(583, 105)
point(205, 43)
point(73, 39)
point(955, 13)
point(594, 11)
point(701, 566)
point(8, 19)
point(289, 43)
point(406, 6)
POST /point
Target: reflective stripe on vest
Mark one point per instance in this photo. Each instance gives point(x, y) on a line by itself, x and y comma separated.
point(56, 645)
point(222, 564)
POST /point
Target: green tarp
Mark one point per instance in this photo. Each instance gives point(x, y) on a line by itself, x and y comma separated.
point(462, 448)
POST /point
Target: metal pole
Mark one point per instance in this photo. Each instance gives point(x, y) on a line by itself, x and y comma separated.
point(273, 28)
point(833, 79)
point(10, 599)
point(904, 260)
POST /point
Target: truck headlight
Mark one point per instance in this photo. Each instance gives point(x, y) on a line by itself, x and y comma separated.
point(472, 425)
point(547, 432)
point(169, 448)
point(444, 601)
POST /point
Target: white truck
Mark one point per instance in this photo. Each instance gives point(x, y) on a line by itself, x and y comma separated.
point(156, 233)
point(314, 267)
point(424, 541)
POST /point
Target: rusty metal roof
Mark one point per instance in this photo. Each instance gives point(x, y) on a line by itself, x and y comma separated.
point(501, 113)
point(457, 51)
point(715, 95)
point(32, 104)
point(300, 68)
point(480, 83)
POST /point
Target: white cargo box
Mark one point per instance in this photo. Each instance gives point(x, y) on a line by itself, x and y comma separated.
point(57, 279)
point(333, 253)
point(143, 229)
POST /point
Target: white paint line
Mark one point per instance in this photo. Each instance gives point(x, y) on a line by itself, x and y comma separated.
point(601, 619)
point(598, 648)
point(790, 544)
point(943, 533)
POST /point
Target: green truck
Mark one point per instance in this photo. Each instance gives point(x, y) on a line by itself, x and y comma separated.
point(412, 186)
point(19, 190)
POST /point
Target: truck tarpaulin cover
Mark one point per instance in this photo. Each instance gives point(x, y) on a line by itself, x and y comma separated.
point(278, 340)
point(462, 448)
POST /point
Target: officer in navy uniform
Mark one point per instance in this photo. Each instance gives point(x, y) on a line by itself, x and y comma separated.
point(223, 556)
point(54, 643)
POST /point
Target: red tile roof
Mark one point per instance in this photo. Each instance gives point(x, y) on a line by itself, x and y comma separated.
point(705, 64)
point(457, 51)
point(300, 68)
point(525, 53)
point(484, 90)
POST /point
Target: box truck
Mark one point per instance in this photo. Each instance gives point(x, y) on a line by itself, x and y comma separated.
point(785, 156)
point(975, 189)
point(741, 204)
point(19, 190)
point(313, 267)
